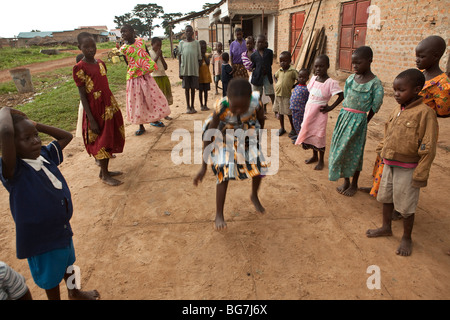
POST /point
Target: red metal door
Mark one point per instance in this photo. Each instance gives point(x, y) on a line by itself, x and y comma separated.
point(297, 20)
point(353, 30)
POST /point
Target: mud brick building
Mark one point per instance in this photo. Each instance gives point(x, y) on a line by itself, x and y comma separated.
point(391, 28)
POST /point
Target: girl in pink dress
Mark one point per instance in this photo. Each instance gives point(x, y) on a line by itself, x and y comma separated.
point(146, 102)
point(314, 127)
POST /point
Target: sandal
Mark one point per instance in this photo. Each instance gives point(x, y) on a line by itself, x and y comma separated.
point(157, 124)
point(139, 132)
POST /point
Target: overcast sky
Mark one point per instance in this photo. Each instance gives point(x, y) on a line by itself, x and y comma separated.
point(50, 15)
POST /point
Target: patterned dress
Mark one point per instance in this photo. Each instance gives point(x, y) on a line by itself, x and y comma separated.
point(349, 135)
point(314, 127)
point(104, 109)
point(436, 94)
point(145, 101)
point(297, 104)
point(240, 160)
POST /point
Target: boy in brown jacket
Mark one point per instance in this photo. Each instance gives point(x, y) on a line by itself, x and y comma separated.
point(408, 150)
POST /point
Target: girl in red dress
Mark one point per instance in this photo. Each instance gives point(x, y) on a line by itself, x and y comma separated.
point(103, 128)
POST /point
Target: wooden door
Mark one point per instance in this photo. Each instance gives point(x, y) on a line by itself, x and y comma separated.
point(353, 30)
point(297, 20)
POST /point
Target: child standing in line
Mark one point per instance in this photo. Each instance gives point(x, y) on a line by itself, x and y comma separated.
point(248, 65)
point(190, 59)
point(314, 127)
point(204, 79)
point(227, 73)
point(146, 102)
point(408, 150)
point(241, 109)
point(237, 47)
point(262, 60)
point(40, 201)
point(159, 74)
point(436, 91)
point(217, 65)
point(285, 79)
point(298, 101)
point(103, 128)
point(363, 93)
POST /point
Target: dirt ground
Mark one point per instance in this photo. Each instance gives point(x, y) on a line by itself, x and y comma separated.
point(152, 237)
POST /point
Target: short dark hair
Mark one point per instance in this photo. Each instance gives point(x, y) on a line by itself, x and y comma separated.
point(325, 58)
point(286, 53)
point(156, 39)
point(127, 27)
point(364, 52)
point(304, 70)
point(225, 57)
point(239, 87)
point(414, 76)
point(237, 30)
point(84, 35)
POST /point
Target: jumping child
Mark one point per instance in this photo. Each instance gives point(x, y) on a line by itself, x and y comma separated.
point(159, 74)
point(40, 201)
point(103, 128)
point(408, 150)
point(285, 79)
point(146, 102)
point(298, 101)
point(314, 127)
point(363, 94)
point(240, 110)
point(190, 59)
point(217, 65)
point(204, 79)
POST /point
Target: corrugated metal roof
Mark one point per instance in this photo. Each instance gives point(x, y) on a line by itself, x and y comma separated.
point(29, 35)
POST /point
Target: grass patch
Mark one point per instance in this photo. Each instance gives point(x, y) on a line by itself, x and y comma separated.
point(16, 57)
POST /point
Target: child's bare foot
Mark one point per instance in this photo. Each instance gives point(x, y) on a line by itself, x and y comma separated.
point(380, 232)
point(319, 166)
point(312, 160)
point(110, 173)
point(258, 206)
point(405, 247)
point(350, 191)
point(344, 187)
point(83, 295)
point(204, 108)
point(220, 222)
point(111, 181)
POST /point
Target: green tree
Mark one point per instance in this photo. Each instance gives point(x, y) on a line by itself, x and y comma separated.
point(148, 13)
point(167, 18)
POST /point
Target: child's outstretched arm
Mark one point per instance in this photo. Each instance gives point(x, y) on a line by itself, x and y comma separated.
point(84, 100)
point(214, 124)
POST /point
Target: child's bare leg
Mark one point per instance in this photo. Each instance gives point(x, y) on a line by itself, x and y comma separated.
point(188, 106)
point(256, 182)
point(76, 294)
point(313, 159)
point(405, 247)
point(282, 130)
point(106, 175)
point(192, 101)
point(204, 105)
point(321, 164)
point(351, 190)
point(221, 192)
point(385, 229)
point(345, 186)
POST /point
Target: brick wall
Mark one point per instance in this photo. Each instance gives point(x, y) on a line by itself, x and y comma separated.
point(403, 24)
point(253, 4)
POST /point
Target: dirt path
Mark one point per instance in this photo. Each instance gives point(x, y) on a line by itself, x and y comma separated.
point(48, 65)
point(153, 237)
